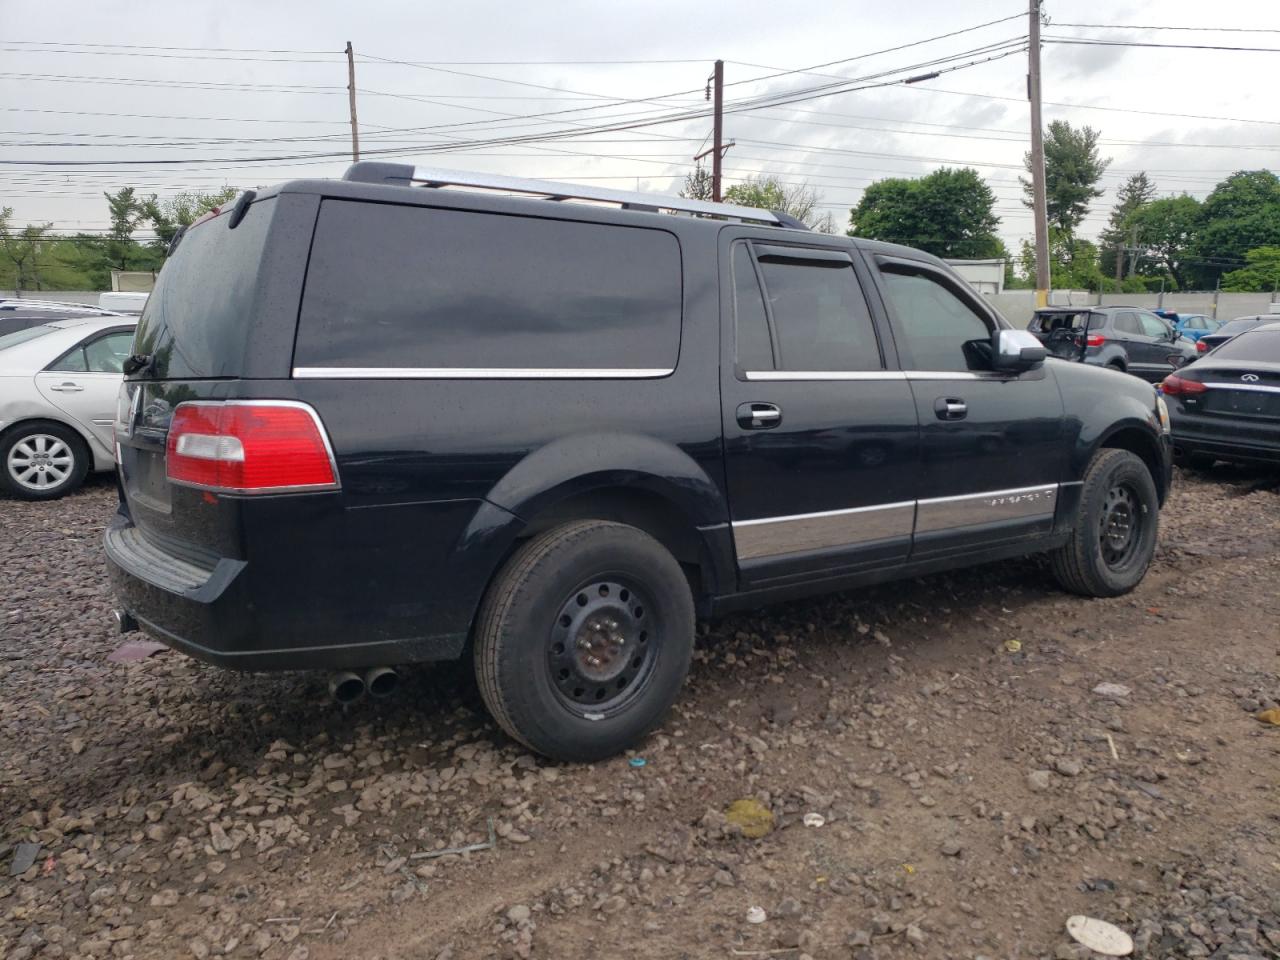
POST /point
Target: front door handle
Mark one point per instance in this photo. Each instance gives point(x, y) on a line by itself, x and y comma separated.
point(950, 408)
point(67, 387)
point(758, 416)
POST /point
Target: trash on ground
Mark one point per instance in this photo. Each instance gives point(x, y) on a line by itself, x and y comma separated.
point(1271, 716)
point(133, 650)
point(637, 761)
point(756, 915)
point(1100, 936)
point(814, 820)
point(469, 848)
point(1013, 646)
point(752, 816)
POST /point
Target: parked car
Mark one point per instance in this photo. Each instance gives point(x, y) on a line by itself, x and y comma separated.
point(1128, 339)
point(1226, 406)
point(1233, 328)
point(368, 423)
point(1193, 326)
point(58, 386)
point(18, 314)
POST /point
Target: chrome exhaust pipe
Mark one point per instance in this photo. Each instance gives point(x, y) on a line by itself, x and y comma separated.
point(346, 687)
point(381, 681)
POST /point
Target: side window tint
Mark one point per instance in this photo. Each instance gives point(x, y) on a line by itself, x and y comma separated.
point(71, 362)
point(108, 354)
point(1128, 323)
point(754, 351)
point(1153, 326)
point(820, 316)
point(933, 324)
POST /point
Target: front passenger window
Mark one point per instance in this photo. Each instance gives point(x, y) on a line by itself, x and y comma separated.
point(932, 323)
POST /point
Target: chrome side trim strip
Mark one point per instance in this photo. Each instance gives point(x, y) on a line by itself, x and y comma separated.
point(777, 536)
point(994, 506)
point(1252, 388)
point(477, 373)
point(872, 375)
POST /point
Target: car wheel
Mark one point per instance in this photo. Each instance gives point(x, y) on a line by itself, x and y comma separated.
point(1115, 531)
point(584, 639)
point(42, 461)
point(1117, 366)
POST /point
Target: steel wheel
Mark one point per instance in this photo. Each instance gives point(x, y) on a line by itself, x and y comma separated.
point(602, 647)
point(39, 462)
point(1119, 526)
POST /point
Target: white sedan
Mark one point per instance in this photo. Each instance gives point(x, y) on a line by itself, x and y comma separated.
point(58, 386)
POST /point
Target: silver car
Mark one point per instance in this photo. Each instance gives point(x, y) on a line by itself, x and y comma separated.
point(58, 385)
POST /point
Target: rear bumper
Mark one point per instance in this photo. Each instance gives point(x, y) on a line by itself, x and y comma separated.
point(1224, 438)
point(225, 615)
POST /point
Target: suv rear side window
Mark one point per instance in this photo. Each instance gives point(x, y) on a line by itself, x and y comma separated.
point(392, 286)
point(932, 324)
point(1128, 323)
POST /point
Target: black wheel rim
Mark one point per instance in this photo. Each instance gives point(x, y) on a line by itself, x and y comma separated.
point(603, 646)
point(1120, 528)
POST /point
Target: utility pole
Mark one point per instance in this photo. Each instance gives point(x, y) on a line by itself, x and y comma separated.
point(717, 155)
point(1133, 252)
point(351, 99)
point(1039, 203)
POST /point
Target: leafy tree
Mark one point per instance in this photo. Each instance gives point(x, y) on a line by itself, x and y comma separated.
point(25, 248)
point(769, 193)
point(1166, 231)
point(1072, 169)
point(697, 184)
point(949, 213)
point(184, 209)
point(1073, 262)
point(1134, 193)
point(1262, 275)
point(127, 211)
point(1241, 214)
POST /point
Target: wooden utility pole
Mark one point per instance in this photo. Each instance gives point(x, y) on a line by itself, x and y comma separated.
point(1039, 203)
point(717, 148)
point(351, 99)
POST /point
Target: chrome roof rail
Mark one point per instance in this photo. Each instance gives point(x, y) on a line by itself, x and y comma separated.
point(375, 172)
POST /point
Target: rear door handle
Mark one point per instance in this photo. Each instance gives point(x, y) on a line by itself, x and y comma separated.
point(758, 416)
point(950, 408)
point(67, 387)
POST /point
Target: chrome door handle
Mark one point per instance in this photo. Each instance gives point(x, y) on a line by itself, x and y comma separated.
point(758, 416)
point(67, 387)
point(950, 408)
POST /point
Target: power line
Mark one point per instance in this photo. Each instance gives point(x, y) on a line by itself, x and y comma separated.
point(1136, 26)
point(1096, 42)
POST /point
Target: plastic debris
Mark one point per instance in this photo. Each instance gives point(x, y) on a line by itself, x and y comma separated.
point(1100, 936)
point(1116, 691)
point(1013, 646)
point(756, 915)
point(813, 820)
point(752, 816)
point(1271, 716)
point(450, 851)
point(637, 761)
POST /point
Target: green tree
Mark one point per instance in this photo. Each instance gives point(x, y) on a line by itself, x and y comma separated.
point(24, 247)
point(1073, 263)
point(769, 193)
point(126, 212)
point(1133, 194)
point(697, 184)
point(182, 210)
point(1166, 231)
point(949, 213)
point(1262, 275)
point(1072, 169)
point(1241, 214)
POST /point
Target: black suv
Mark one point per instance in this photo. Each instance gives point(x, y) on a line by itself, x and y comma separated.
point(1128, 339)
point(371, 422)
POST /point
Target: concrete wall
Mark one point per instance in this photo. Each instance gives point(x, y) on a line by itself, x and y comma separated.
point(1017, 305)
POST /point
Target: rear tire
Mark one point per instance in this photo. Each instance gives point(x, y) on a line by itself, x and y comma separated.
point(584, 639)
point(1115, 532)
point(42, 461)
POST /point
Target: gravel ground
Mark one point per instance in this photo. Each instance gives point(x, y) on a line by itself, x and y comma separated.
point(976, 785)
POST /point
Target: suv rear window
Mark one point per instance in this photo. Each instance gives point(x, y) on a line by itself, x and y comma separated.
point(196, 320)
point(392, 286)
point(1048, 322)
point(1261, 344)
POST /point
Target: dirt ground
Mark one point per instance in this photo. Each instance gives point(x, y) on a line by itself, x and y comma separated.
point(976, 786)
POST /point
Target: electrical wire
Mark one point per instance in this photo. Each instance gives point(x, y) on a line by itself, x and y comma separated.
point(1096, 42)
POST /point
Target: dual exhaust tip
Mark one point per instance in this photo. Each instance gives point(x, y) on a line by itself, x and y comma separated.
point(346, 687)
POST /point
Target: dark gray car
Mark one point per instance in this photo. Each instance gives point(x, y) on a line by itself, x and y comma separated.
point(1129, 339)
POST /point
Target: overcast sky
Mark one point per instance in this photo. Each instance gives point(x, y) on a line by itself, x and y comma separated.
point(221, 111)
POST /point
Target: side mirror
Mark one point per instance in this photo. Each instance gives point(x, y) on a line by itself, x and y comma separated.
point(1015, 351)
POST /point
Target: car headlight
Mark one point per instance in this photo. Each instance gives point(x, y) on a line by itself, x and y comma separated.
point(1162, 411)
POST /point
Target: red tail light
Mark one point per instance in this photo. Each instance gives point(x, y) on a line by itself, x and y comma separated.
point(1093, 340)
point(1176, 386)
point(250, 446)
point(1201, 347)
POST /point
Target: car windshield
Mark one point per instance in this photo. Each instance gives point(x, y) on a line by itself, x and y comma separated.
point(22, 336)
point(1260, 345)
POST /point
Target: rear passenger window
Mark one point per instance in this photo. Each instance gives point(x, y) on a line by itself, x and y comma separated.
point(1128, 323)
point(392, 286)
point(820, 317)
point(754, 350)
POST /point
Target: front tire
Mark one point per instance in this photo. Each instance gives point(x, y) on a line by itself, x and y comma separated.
point(1114, 537)
point(584, 639)
point(42, 461)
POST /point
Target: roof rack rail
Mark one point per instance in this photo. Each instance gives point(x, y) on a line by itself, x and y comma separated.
point(406, 175)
